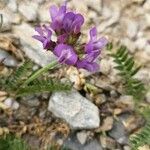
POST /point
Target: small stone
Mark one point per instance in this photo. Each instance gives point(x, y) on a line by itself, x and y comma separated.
point(107, 124)
point(76, 110)
point(11, 103)
point(82, 137)
point(9, 60)
point(125, 102)
point(129, 44)
point(28, 10)
point(43, 13)
point(100, 99)
point(93, 145)
point(107, 142)
point(143, 75)
point(118, 132)
point(6, 26)
point(75, 77)
point(12, 5)
point(96, 4)
point(148, 97)
point(32, 102)
point(132, 28)
point(73, 144)
point(141, 43)
point(105, 66)
point(126, 147)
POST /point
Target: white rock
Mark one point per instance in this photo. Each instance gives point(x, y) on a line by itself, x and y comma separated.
point(105, 66)
point(12, 5)
point(8, 59)
point(32, 48)
point(82, 137)
point(132, 28)
point(29, 10)
point(143, 75)
point(126, 100)
point(6, 26)
point(96, 4)
point(81, 6)
point(129, 44)
point(113, 18)
point(43, 13)
point(76, 110)
point(141, 43)
point(11, 103)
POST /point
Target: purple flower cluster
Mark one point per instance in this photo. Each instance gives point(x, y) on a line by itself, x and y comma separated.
point(67, 26)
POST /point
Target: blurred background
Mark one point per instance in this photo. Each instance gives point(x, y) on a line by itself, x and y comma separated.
point(121, 21)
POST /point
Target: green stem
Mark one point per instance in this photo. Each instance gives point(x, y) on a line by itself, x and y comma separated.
point(40, 71)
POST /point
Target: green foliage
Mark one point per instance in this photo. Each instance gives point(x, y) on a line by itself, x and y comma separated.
point(127, 69)
point(12, 143)
point(18, 76)
point(142, 138)
point(39, 86)
point(14, 83)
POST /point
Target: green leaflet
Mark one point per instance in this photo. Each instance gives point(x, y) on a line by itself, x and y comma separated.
point(14, 85)
point(127, 69)
point(142, 138)
point(12, 143)
point(39, 86)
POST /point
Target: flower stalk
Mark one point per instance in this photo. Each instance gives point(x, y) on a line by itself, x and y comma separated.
point(51, 65)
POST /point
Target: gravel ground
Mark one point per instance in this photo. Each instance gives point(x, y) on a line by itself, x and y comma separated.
point(78, 114)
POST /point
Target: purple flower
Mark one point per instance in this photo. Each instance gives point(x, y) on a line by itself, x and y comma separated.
point(62, 38)
point(66, 54)
point(94, 46)
point(85, 64)
point(92, 51)
point(72, 22)
point(57, 16)
point(44, 36)
point(65, 22)
point(67, 26)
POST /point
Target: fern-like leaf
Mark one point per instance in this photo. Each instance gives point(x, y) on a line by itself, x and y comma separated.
point(142, 138)
point(127, 69)
point(39, 86)
point(10, 142)
point(17, 77)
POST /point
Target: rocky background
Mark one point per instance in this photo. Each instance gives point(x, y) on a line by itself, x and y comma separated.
point(35, 117)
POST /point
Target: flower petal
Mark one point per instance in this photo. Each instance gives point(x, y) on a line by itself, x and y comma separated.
point(38, 37)
point(68, 20)
point(72, 22)
point(57, 15)
point(53, 12)
point(93, 34)
point(101, 43)
point(90, 66)
point(77, 23)
point(66, 54)
point(62, 38)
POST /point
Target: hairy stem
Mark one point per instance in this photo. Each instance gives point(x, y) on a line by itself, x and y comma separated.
point(40, 71)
